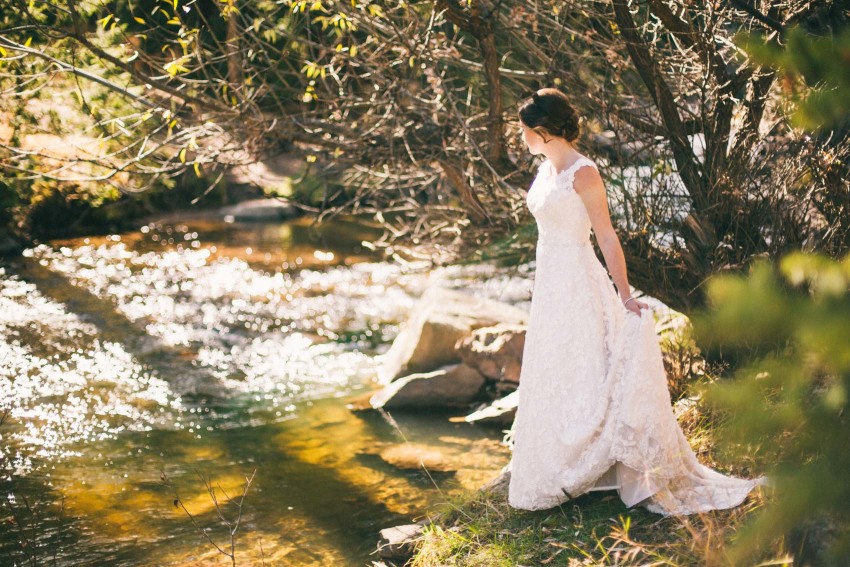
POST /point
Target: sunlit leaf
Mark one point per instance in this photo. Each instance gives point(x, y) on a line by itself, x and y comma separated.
point(105, 20)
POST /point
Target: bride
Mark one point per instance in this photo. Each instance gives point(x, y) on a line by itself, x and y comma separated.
point(594, 410)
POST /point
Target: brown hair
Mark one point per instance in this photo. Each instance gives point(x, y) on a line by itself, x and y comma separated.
point(549, 110)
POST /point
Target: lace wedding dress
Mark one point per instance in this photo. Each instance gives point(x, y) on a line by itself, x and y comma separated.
point(594, 410)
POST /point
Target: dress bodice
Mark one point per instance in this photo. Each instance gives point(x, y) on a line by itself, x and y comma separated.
point(559, 211)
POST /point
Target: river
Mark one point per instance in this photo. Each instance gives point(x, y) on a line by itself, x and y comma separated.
point(138, 367)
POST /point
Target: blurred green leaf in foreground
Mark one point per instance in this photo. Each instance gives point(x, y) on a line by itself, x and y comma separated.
point(786, 406)
point(816, 73)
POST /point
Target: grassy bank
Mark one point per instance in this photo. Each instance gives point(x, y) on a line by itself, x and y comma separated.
point(480, 529)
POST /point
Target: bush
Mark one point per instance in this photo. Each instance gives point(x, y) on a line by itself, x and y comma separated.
point(787, 406)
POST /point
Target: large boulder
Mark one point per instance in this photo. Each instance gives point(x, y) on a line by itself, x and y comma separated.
point(441, 317)
point(495, 351)
point(448, 386)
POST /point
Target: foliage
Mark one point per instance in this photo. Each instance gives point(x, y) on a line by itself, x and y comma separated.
point(816, 71)
point(414, 105)
point(787, 407)
point(79, 144)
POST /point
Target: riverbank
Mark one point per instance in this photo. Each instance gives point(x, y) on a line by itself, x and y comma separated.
point(61, 214)
point(479, 528)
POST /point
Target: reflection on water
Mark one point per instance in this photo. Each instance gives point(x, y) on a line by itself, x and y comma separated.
point(211, 350)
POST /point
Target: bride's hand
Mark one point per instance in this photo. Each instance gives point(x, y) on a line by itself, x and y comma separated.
point(634, 305)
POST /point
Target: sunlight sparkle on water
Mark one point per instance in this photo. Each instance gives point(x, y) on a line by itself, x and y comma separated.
point(211, 324)
point(64, 393)
point(131, 353)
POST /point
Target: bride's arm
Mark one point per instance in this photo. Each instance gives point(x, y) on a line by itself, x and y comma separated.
point(590, 187)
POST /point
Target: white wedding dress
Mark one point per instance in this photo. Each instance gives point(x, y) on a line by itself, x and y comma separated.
point(594, 410)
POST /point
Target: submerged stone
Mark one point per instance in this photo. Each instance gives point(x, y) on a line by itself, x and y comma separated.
point(415, 456)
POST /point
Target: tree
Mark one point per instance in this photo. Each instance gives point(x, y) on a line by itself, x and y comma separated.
point(414, 104)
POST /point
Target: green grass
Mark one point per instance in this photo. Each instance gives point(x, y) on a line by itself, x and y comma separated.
point(479, 528)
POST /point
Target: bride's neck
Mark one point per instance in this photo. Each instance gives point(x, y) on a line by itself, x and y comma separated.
point(563, 156)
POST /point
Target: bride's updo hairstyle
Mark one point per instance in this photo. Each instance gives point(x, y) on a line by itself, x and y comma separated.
point(548, 111)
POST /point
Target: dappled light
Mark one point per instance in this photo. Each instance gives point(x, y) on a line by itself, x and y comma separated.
point(449, 282)
point(126, 361)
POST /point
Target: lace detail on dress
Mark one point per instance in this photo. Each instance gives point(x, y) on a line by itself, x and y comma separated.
point(552, 195)
point(593, 398)
point(567, 176)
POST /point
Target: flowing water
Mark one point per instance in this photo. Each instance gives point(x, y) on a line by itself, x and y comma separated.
point(139, 370)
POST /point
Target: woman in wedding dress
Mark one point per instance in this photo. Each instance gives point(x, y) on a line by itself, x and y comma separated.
point(594, 410)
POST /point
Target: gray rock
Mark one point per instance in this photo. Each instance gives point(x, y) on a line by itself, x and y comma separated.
point(440, 318)
point(495, 351)
point(259, 210)
point(499, 485)
point(450, 385)
point(399, 542)
point(500, 412)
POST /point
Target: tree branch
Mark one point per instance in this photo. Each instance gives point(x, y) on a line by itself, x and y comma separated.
point(763, 18)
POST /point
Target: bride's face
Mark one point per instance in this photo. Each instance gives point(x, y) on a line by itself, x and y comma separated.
point(532, 139)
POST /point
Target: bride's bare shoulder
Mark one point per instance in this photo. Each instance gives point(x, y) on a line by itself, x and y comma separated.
point(587, 178)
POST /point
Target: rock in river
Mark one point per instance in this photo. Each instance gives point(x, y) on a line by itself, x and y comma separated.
point(440, 318)
point(399, 542)
point(450, 385)
point(261, 210)
point(500, 412)
point(495, 351)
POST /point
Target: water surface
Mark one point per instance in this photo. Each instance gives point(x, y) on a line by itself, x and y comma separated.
point(141, 368)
